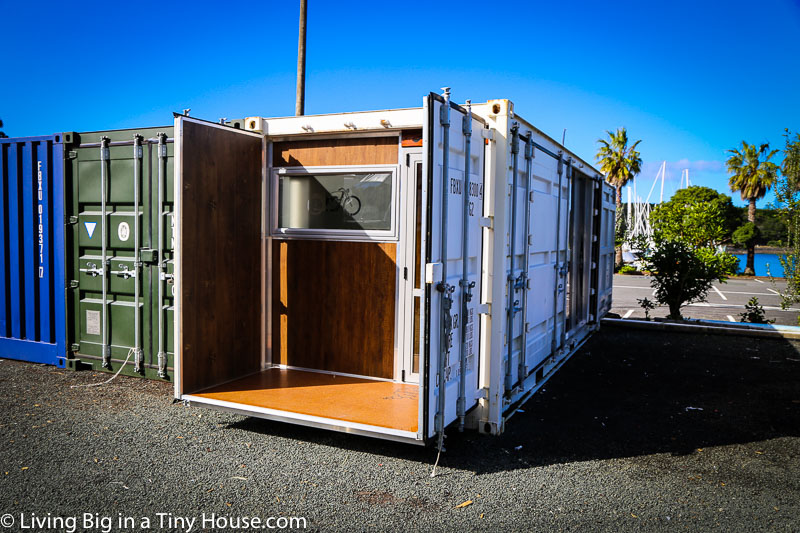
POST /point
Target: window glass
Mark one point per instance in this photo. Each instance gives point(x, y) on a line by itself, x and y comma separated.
point(342, 201)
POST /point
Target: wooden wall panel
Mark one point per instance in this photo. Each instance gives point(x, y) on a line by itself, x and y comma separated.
point(335, 152)
point(334, 306)
point(220, 256)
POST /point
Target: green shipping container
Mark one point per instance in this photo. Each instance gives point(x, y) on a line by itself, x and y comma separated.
point(119, 254)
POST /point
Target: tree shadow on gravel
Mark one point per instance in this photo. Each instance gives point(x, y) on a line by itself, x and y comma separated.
point(626, 393)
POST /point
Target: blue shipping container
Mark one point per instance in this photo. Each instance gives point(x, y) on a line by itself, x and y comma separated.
point(32, 259)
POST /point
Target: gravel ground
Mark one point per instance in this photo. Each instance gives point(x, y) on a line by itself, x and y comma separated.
point(640, 431)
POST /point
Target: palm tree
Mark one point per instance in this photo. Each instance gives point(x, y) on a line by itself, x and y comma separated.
point(620, 164)
point(2, 135)
point(752, 175)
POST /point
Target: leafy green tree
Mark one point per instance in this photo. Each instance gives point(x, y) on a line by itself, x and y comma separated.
point(791, 158)
point(683, 274)
point(620, 163)
point(684, 258)
point(746, 234)
point(2, 133)
point(787, 204)
point(699, 216)
point(753, 174)
point(771, 229)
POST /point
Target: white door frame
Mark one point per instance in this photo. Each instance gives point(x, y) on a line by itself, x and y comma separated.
point(406, 267)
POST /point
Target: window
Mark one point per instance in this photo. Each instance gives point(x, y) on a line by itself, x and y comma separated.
point(349, 202)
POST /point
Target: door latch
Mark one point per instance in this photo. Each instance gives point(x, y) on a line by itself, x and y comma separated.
point(125, 273)
point(92, 270)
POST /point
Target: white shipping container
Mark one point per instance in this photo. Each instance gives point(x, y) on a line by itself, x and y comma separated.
point(386, 273)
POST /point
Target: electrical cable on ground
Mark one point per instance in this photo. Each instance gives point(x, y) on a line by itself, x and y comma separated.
point(130, 352)
point(438, 454)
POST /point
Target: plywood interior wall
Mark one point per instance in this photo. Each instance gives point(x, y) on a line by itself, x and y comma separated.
point(220, 256)
point(333, 152)
point(334, 306)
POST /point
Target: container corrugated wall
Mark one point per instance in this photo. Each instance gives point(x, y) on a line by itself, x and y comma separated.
point(32, 271)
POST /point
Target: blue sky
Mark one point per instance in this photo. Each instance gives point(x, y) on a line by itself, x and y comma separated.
point(691, 79)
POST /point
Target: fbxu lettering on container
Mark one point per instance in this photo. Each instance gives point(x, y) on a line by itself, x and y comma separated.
point(40, 207)
point(475, 191)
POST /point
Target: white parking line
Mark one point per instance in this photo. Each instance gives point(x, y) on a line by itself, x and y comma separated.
point(739, 306)
point(629, 313)
point(750, 293)
point(720, 294)
point(758, 280)
point(731, 318)
point(773, 291)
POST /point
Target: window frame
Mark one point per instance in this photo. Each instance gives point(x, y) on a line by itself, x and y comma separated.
point(392, 234)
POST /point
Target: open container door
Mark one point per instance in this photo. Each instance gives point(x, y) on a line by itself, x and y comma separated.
point(454, 146)
point(218, 193)
point(222, 273)
point(605, 235)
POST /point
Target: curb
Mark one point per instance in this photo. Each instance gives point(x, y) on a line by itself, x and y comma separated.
point(785, 332)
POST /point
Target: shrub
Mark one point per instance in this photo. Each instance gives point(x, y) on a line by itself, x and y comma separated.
point(628, 269)
point(683, 274)
point(647, 305)
point(754, 313)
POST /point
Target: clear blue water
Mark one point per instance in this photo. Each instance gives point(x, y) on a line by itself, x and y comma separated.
point(760, 264)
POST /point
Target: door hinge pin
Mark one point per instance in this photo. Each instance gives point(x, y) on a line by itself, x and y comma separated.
point(162, 365)
point(137, 360)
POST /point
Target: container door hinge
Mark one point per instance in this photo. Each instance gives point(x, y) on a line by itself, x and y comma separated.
point(73, 284)
point(72, 220)
point(433, 272)
point(485, 309)
point(482, 394)
point(486, 222)
point(487, 134)
point(74, 347)
point(70, 154)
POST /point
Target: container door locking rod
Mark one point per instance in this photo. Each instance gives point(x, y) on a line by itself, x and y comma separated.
point(465, 283)
point(137, 178)
point(513, 282)
point(567, 252)
point(522, 371)
point(557, 265)
point(446, 290)
point(104, 168)
point(162, 174)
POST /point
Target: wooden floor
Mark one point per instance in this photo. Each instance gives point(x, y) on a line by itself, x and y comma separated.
point(364, 401)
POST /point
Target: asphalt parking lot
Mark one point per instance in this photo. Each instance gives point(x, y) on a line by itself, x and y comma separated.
point(725, 300)
point(639, 431)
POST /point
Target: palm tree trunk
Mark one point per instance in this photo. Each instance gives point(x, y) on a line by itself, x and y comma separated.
point(618, 250)
point(751, 246)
